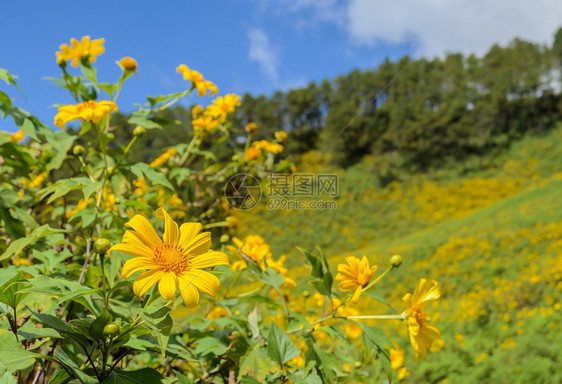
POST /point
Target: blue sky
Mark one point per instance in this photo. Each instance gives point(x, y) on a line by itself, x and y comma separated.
point(255, 46)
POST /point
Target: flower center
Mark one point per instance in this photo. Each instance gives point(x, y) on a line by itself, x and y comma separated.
point(420, 317)
point(170, 259)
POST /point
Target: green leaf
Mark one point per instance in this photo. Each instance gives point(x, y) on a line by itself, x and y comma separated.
point(96, 329)
point(19, 244)
point(65, 360)
point(160, 322)
point(12, 356)
point(141, 376)
point(208, 345)
point(257, 364)
point(375, 338)
point(377, 295)
point(140, 117)
point(253, 323)
point(272, 278)
point(249, 380)
point(279, 345)
point(9, 290)
point(143, 170)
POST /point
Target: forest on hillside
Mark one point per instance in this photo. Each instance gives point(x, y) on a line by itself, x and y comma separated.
point(419, 111)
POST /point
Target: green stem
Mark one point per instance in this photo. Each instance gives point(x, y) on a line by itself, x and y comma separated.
point(126, 152)
point(188, 150)
point(378, 278)
point(379, 317)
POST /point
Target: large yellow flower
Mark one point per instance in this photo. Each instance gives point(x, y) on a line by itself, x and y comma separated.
point(222, 106)
point(422, 334)
point(79, 49)
point(91, 110)
point(354, 276)
point(177, 262)
point(203, 86)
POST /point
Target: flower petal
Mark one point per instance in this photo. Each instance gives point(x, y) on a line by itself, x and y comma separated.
point(145, 281)
point(132, 249)
point(204, 281)
point(144, 231)
point(208, 260)
point(171, 231)
point(136, 264)
point(167, 286)
point(189, 293)
point(198, 245)
point(187, 232)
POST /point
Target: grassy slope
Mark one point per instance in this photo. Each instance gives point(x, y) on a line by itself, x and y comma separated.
point(490, 231)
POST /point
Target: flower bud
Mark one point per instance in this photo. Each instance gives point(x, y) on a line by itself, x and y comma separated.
point(101, 246)
point(109, 136)
point(306, 294)
point(358, 364)
point(139, 131)
point(128, 64)
point(251, 128)
point(396, 260)
point(225, 238)
point(78, 150)
point(61, 63)
point(111, 330)
point(110, 170)
point(281, 135)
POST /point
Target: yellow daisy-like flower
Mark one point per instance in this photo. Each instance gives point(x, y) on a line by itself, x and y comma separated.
point(265, 145)
point(177, 261)
point(128, 64)
point(396, 357)
point(163, 158)
point(79, 49)
point(253, 247)
point(17, 137)
point(38, 180)
point(352, 329)
point(252, 153)
point(204, 123)
point(203, 86)
point(402, 373)
point(91, 110)
point(281, 135)
point(354, 276)
point(217, 313)
point(422, 334)
point(251, 128)
point(196, 110)
point(222, 106)
point(82, 204)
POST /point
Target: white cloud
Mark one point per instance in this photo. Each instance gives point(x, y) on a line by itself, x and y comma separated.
point(264, 54)
point(437, 26)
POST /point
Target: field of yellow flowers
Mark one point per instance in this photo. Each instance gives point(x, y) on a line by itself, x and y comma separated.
point(121, 271)
point(489, 230)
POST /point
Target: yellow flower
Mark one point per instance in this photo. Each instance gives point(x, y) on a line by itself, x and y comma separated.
point(396, 357)
point(141, 186)
point(79, 49)
point(196, 111)
point(82, 204)
point(163, 158)
point(205, 123)
point(265, 145)
point(281, 135)
point(352, 329)
point(402, 373)
point(251, 128)
point(128, 64)
point(38, 180)
point(354, 276)
point(279, 266)
point(222, 106)
point(422, 334)
point(17, 137)
point(252, 153)
point(217, 312)
point(91, 110)
point(203, 86)
point(177, 262)
point(253, 247)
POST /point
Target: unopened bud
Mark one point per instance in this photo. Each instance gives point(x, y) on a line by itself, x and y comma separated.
point(78, 150)
point(128, 64)
point(251, 128)
point(306, 294)
point(358, 364)
point(396, 260)
point(139, 131)
point(61, 63)
point(101, 246)
point(111, 330)
point(225, 238)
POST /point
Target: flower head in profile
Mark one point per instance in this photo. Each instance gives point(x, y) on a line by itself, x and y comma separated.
point(281, 135)
point(163, 158)
point(91, 110)
point(421, 332)
point(77, 50)
point(265, 145)
point(396, 357)
point(17, 137)
point(354, 275)
point(177, 261)
point(203, 86)
point(128, 64)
